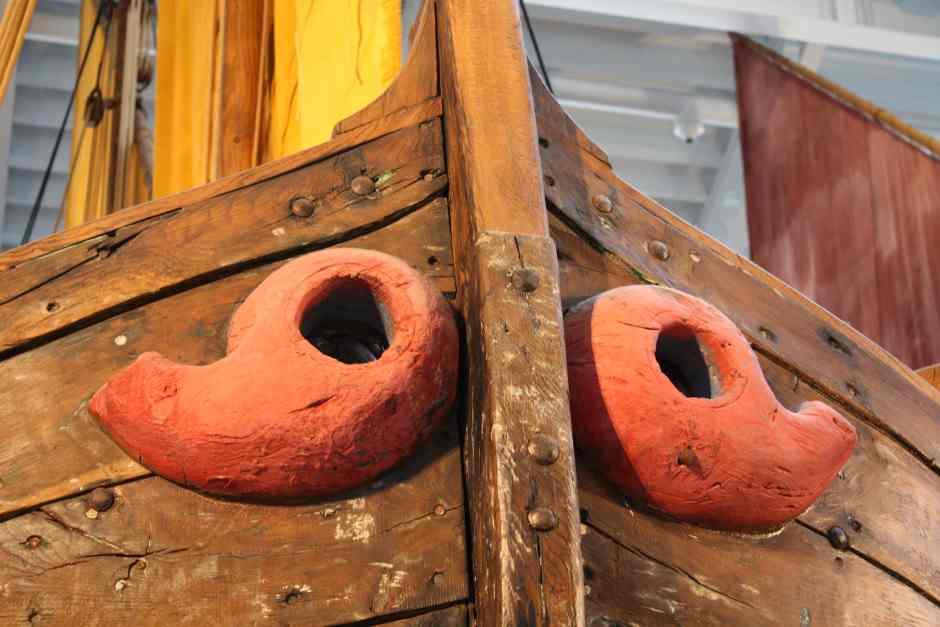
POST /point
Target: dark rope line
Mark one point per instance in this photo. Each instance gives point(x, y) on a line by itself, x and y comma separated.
point(535, 44)
point(31, 223)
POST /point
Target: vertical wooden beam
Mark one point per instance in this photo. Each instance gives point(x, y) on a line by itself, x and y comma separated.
point(519, 455)
point(6, 134)
point(127, 61)
point(243, 38)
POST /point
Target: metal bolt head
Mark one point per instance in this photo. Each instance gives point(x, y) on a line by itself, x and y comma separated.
point(100, 499)
point(543, 449)
point(658, 249)
point(838, 538)
point(34, 542)
point(602, 203)
point(362, 185)
point(525, 280)
point(437, 578)
point(542, 519)
point(302, 207)
point(439, 510)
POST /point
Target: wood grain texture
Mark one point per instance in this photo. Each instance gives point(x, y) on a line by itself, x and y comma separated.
point(52, 448)
point(517, 392)
point(243, 38)
point(884, 496)
point(416, 83)
point(58, 242)
point(643, 570)
point(455, 616)
point(840, 206)
point(131, 264)
point(164, 555)
point(931, 374)
point(523, 513)
point(780, 322)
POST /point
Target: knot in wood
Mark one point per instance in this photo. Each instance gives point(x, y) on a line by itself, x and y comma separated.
point(34, 542)
point(525, 280)
point(302, 207)
point(658, 249)
point(101, 499)
point(362, 185)
point(838, 538)
point(543, 449)
point(542, 519)
point(602, 203)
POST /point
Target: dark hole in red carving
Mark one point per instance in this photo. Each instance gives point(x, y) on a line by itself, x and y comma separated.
point(681, 359)
point(350, 325)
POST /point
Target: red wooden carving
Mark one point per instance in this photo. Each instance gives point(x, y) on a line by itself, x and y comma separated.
point(278, 418)
point(669, 401)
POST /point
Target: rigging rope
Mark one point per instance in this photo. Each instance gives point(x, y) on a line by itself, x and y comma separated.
point(31, 222)
point(535, 44)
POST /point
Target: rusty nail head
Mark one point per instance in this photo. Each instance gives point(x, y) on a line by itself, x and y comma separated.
point(602, 203)
point(838, 538)
point(34, 542)
point(543, 449)
point(542, 519)
point(659, 250)
point(525, 280)
point(302, 207)
point(439, 510)
point(362, 185)
point(101, 499)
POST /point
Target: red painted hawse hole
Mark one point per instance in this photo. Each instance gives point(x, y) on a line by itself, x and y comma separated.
point(339, 365)
point(668, 400)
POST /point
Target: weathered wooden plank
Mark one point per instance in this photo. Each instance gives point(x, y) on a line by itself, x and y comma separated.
point(220, 234)
point(648, 571)
point(164, 555)
point(884, 499)
point(417, 81)
point(53, 448)
point(779, 321)
point(405, 118)
point(519, 457)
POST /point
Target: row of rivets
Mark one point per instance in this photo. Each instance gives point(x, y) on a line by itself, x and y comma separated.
point(304, 206)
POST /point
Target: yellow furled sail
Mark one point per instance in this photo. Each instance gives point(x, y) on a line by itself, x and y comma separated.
point(331, 58)
point(326, 60)
point(186, 110)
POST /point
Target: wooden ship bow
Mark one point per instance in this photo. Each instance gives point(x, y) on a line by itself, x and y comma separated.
point(454, 247)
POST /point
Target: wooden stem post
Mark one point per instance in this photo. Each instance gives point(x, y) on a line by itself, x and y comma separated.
point(519, 455)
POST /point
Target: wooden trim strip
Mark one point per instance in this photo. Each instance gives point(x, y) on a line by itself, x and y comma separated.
point(884, 118)
point(526, 545)
point(405, 118)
